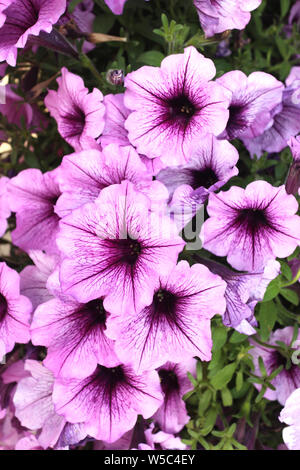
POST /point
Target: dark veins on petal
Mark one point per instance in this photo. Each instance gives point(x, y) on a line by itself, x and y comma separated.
point(126, 251)
point(3, 307)
point(252, 220)
point(237, 121)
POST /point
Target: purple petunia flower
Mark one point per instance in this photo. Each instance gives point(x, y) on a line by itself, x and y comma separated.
point(175, 326)
point(251, 226)
point(25, 18)
point(291, 416)
point(74, 335)
point(211, 165)
point(252, 100)
point(289, 378)
point(33, 195)
point(172, 415)
point(78, 113)
point(218, 16)
point(34, 279)
point(174, 106)
point(109, 400)
point(4, 208)
point(114, 131)
point(83, 176)
point(292, 184)
point(285, 121)
point(15, 310)
point(243, 291)
point(35, 409)
point(117, 248)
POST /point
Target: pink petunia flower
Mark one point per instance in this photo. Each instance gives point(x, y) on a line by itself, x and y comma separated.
point(175, 326)
point(24, 18)
point(33, 195)
point(4, 207)
point(116, 248)
point(174, 106)
point(291, 416)
point(15, 310)
point(251, 226)
point(78, 113)
point(218, 16)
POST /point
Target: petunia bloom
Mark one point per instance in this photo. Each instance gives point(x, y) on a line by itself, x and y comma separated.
point(24, 18)
point(218, 16)
point(74, 335)
point(251, 226)
point(252, 100)
point(83, 175)
point(291, 416)
point(292, 184)
point(176, 325)
point(109, 400)
point(116, 248)
point(33, 195)
point(172, 415)
point(114, 131)
point(78, 113)
point(174, 106)
point(284, 124)
point(243, 291)
point(15, 310)
point(289, 378)
point(211, 165)
point(116, 6)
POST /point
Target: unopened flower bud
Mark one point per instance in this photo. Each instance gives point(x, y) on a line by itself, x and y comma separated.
point(115, 77)
point(292, 184)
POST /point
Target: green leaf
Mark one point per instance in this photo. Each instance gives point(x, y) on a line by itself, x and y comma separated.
point(286, 271)
point(219, 336)
point(153, 58)
point(104, 23)
point(239, 380)
point(237, 337)
point(272, 290)
point(226, 397)
point(223, 377)
point(290, 295)
point(267, 318)
point(284, 7)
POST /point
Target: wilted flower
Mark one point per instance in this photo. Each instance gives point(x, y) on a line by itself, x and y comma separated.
point(115, 77)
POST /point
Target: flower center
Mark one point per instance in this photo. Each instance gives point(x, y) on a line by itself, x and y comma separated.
point(164, 303)
point(3, 307)
point(98, 312)
point(181, 107)
point(130, 251)
point(252, 219)
point(74, 122)
point(205, 177)
point(169, 380)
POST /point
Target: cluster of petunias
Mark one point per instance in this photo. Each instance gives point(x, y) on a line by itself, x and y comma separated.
point(121, 318)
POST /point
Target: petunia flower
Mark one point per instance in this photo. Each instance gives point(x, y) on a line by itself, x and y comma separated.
point(174, 106)
point(285, 121)
point(4, 207)
point(292, 184)
point(33, 195)
point(83, 175)
point(114, 131)
point(290, 415)
point(116, 248)
point(109, 400)
point(116, 6)
point(243, 291)
point(74, 335)
point(289, 378)
point(24, 18)
point(211, 165)
point(176, 325)
point(218, 16)
point(252, 100)
point(172, 415)
point(15, 310)
point(251, 226)
point(34, 405)
point(34, 279)
point(78, 113)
